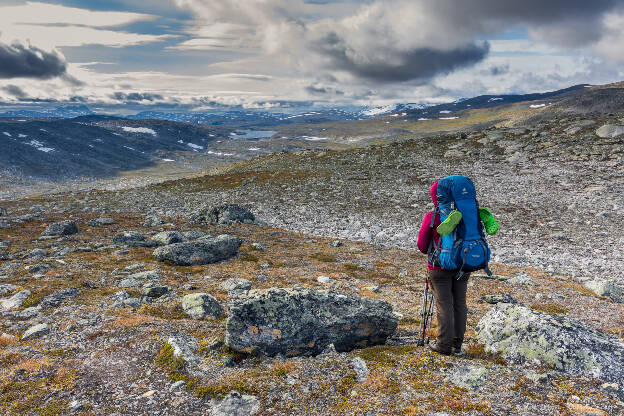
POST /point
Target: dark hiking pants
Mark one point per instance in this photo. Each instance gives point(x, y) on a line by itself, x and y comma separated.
point(451, 309)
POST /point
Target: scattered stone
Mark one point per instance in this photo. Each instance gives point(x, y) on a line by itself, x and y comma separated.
point(359, 365)
point(335, 243)
point(4, 255)
point(303, 322)
point(225, 214)
point(261, 277)
point(133, 267)
point(177, 385)
point(61, 228)
point(169, 237)
point(194, 234)
point(521, 335)
point(154, 291)
point(139, 279)
point(56, 298)
point(521, 279)
point(121, 252)
point(15, 301)
point(374, 289)
point(36, 331)
point(40, 268)
point(498, 298)
point(257, 246)
point(132, 239)
point(236, 285)
point(603, 287)
point(75, 406)
point(265, 265)
point(235, 404)
point(202, 251)
point(98, 222)
point(469, 377)
point(610, 131)
point(201, 305)
point(30, 312)
point(323, 279)
point(3, 212)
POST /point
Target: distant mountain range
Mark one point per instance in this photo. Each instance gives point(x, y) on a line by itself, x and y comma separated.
point(258, 118)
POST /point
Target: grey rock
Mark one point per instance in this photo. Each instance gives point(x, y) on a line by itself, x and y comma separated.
point(235, 404)
point(201, 305)
point(98, 222)
point(498, 298)
point(169, 237)
point(132, 239)
point(236, 284)
point(139, 279)
point(362, 371)
point(4, 255)
point(610, 131)
point(133, 267)
point(3, 212)
point(177, 385)
point(468, 377)
point(153, 221)
point(40, 268)
point(194, 234)
point(15, 301)
point(185, 346)
point(6, 288)
point(36, 331)
point(521, 279)
point(60, 228)
point(36, 253)
point(335, 243)
point(30, 312)
point(604, 287)
point(154, 291)
point(56, 298)
point(522, 335)
point(257, 246)
point(131, 302)
point(261, 277)
point(121, 295)
point(225, 214)
point(304, 322)
point(202, 251)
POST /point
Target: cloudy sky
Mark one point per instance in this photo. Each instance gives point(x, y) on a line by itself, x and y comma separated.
point(203, 54)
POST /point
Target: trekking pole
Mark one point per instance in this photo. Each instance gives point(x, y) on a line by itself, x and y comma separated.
point(426, 312)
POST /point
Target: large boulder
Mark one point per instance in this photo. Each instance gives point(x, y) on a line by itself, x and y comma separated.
point(603, 287)
point(202, 251)
point(523, 335)
point(56, 298)
point(304, 322)
point(60, 228)
point(225, 214)
point(610, 131)
point(15, 301)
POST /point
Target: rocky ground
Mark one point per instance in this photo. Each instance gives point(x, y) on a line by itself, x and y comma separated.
point(95, 323)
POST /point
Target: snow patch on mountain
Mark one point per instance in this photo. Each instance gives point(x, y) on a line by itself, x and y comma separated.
point(139, 130)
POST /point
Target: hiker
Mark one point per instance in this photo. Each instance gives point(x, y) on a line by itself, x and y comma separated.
point(449, 285)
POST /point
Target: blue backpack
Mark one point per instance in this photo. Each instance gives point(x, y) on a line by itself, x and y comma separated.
point(465, 249)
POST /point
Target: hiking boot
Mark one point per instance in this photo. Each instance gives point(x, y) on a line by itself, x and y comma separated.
point(458, 352)
point(490, 223)
point(449, 224)
point(434, 346)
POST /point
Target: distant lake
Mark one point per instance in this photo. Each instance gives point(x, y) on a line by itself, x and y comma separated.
point(252, 134)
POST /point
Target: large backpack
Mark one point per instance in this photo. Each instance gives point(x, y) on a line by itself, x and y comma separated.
point(465, 249)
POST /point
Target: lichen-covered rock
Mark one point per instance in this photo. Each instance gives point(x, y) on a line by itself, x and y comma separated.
point(139, 279)
point(225, 214)
point(36, 331)
point(201, 305)
point(15, 301)
point(522, 335)
point(202, 251)
point(185, 346)
point(498, 298)
point(304, 322)
point(98, 222)
point(194, 234)
point(468, 377)
point(60, 228)
point(603, 287)
point(152, 290)
point(235, 404)
point(236, 285)
point(169, 237)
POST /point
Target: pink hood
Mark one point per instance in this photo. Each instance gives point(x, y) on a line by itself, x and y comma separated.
point(434, 193)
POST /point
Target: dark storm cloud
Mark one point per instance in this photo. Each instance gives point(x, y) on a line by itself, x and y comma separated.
point(321, 90)
point(418, 64)
point(136, 96)
point(19, 61)
point(496, 70)
point(15, 91)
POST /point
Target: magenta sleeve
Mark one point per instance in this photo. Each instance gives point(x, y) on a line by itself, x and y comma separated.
point(425, 233)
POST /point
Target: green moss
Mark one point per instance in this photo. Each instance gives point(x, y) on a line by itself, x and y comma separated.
point(346, 383)
point(173, 366)
point(550, 308)
point(324, 257)
point(32, 300)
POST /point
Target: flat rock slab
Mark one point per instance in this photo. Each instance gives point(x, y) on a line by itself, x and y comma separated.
point(524, 335)
point(610, 131)
point(201, 305)
point(202, 251)
point(235, 404)
point(169, 237)
point(296, 322)
point(56, 298)
point(36, 331)
point(15, 301)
